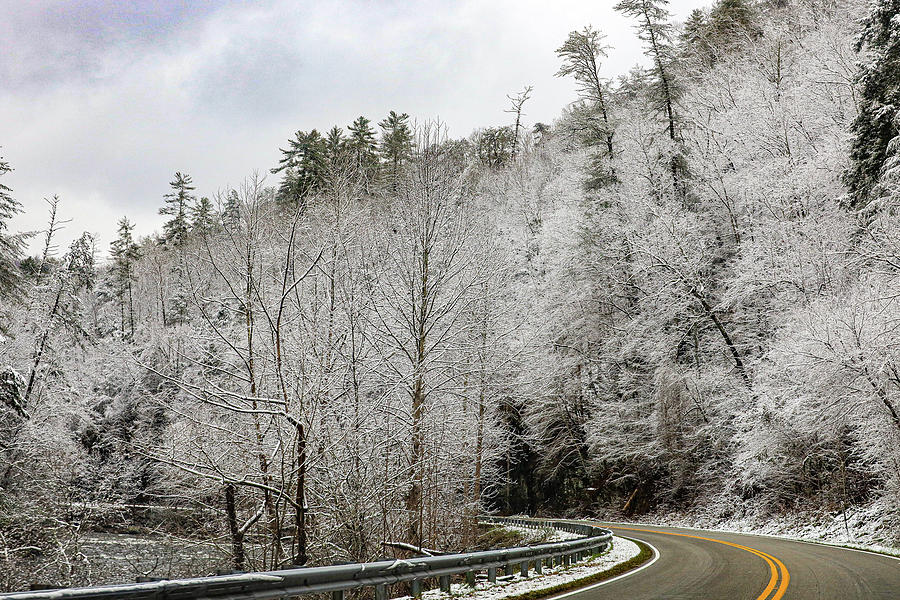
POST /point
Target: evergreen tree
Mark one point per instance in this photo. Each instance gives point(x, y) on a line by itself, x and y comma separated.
point(581, 54)
point(695, 38)
point(125, 253)
point(655, 30)
point(81, 264)
point(634, 84)
point(364, 148)
point(494, 146)
point(396, 143)
point(304, 163)
point(12, 246)
point(202, 215)
point(730, 22)
point(879, 77)
point(540, 132)
point(231, 211)
point(177, 203)
point(335, 145)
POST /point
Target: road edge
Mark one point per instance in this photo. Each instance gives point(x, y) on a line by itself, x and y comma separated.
point(756, 534)
point(646, 557)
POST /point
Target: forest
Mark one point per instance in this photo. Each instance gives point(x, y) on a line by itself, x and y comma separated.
point(680, 299)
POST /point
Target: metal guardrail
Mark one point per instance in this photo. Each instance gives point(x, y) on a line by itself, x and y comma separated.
point(339, 578)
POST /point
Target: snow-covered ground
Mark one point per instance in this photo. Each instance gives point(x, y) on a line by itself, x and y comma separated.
point(862, 529)
point(620, 551)
point(545, 535)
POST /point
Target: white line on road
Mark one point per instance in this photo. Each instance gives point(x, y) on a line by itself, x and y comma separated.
point(616, 578)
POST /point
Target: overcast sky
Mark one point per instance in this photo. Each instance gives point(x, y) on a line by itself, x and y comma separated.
point(101, 101)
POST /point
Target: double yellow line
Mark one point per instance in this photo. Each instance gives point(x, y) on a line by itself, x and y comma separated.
point(779, 573)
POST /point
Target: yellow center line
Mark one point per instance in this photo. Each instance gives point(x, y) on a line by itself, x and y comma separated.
point(771, 560)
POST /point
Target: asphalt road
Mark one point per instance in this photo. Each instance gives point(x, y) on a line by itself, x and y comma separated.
point(711, 565)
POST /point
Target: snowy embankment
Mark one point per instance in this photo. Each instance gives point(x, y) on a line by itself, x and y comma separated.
point(547, 535)
point(863, 528)
point(620, 551)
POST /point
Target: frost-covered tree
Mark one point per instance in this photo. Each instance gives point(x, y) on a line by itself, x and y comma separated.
point(12, 245)
point(177, 204)
point(302, 165)
point(396, 144)
point(655, 30)
point(516, 106)
point(202, 216)
point(581, 55)
point(364, 148)
point(125, 253)
point(879, 78)
point(429, 272)
point(494, 146)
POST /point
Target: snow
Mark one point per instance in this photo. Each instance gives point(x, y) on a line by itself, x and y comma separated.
point(545, 535)
point(620, 551)
point(864, 528)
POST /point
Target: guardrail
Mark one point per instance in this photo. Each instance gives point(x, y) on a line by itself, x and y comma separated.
point(339, 578)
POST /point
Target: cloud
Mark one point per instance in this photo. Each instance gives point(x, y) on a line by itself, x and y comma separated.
point(102, 101)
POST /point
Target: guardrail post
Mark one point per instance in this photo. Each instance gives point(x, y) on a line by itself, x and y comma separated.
point(539, 566)
point(470, 578)
point(380, 592)
point(524, 568)
point(416, 591)
point(337, 595)
point(492, 574)
point(444, 583)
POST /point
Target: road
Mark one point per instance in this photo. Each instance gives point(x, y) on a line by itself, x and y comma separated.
point(712, 565)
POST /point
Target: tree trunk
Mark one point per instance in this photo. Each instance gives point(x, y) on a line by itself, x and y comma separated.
point(39, 354)
point(414, 497)
point(738, 363)
point(237, 537)
point(300, 556)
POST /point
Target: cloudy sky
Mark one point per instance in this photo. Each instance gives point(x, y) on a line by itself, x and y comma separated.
point(101, 101)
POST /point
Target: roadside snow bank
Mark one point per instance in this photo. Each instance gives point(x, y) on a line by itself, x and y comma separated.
point(863, 527)
point(621, 550)
point(546, 535)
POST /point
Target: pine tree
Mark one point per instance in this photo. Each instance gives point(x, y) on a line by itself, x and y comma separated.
point(81, 264)
point(695, 38)
point(335, 146)
point(879, 77)
point(125, 253)
point(494, 146)
point(396, 143)
point(304, 164)
point(231, 211)
point(581, 55)
point(655, 30)
point(12, 246)
point(202, 215)
point(177, 203)
point(731, 21)
point(364, 148)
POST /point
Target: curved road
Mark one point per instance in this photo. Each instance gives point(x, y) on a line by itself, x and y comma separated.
point(729, 566)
